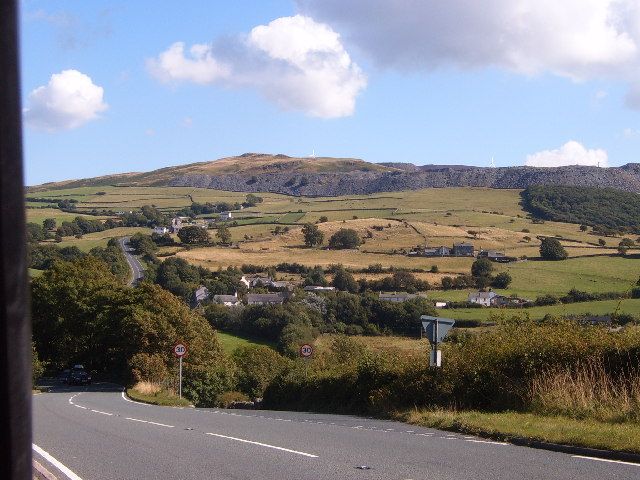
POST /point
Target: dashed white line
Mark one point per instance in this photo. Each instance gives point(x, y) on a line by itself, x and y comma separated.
point(79, 406)
point(606, 460)
point(263, 445)
point(486, 441)
point(56, 463)
point(101, 412)
point(149, 421)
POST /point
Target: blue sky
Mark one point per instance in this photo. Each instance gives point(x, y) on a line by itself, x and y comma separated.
point(382, 80)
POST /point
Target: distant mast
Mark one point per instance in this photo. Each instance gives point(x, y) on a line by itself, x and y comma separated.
point(313, 153)
point(492, 164)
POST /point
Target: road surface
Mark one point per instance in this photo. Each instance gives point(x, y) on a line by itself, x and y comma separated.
point(137, 270)
point(98, 434)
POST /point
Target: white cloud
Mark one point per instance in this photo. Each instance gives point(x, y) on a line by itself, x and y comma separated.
point(297, 63)
point(198, 67)
point(69, 100)
point(571, 153)
point(630, 133)
point(579, 39)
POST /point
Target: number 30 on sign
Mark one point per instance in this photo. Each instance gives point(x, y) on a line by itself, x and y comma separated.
point(180, 350)
point(306, 350)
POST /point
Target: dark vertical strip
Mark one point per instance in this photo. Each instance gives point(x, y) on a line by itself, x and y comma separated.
point(15, 327)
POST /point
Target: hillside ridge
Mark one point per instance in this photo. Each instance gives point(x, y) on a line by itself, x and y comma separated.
point(328, 176)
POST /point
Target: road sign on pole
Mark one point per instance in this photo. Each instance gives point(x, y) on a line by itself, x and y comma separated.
point(436, 328)
point(306, 350)
point(180, 350)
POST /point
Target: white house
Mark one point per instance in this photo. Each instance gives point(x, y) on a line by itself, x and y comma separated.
point(318, 288)
point(256, 281)
point(160, 230)
point(227, 300)
point(441, 304)
point(225, 216)
point(483, 298)
point(176, 224)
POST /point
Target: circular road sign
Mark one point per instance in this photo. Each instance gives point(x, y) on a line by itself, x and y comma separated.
point(306, 350)
point(180, 350)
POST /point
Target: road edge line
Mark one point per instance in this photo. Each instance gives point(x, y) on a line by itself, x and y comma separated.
point(56, 463)
point(575, 450)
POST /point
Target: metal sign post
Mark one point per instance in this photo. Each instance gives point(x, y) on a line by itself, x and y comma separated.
point(436, 328)
point(180, 350)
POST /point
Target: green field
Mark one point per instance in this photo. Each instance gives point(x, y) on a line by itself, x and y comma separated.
point(491, 219)
point(230, 343)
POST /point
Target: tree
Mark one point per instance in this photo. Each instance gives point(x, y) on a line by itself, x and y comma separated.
point(192, 235)
point(35, 233)
point(316, 277)
point(601, 242)
point(552, 249)
point(223, 234)
point(343, 280)
point(257, 366)
point(323, 219)
point(584, 228)
point(501, 280)
point(49, 223)
point(626, 242)
point(482, 267)
point(252, 200)
point(312, 235)
point(344, 238)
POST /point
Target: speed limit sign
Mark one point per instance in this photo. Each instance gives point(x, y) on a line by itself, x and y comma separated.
point(306, 350)
point(180, 350)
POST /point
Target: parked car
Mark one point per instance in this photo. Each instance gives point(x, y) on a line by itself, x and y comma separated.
point(79, 376)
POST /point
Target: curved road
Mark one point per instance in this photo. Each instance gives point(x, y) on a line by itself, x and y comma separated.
point(96, 433)
point(137, 271)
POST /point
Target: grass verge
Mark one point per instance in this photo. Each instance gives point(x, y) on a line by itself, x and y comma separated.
point(624, 437)
point(231, 342)
point(157, 397)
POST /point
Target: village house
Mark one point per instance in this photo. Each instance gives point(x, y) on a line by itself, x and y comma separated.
point(160, 230)
point(496, 256)
point(441, 305)
point(252, 281)
point(227, 300)
point(396, 296)
point(485, 299)
point(176, 224)
point(224, 216)
point(265, 299)
point(199, 296)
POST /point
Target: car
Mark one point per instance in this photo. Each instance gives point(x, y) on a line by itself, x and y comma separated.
point(79, 376)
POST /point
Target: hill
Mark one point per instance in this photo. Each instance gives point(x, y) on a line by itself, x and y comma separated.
point(325, 176)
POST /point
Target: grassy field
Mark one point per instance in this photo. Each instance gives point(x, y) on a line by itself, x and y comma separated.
point(490, 219)
point(230, 343)
point(556, 429)
point(604, 307)
point(100, 239)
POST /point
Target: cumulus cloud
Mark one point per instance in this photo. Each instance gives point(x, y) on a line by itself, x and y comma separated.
point(571, 153)
point(579, 39)
point(69, 100)
point(295, 62)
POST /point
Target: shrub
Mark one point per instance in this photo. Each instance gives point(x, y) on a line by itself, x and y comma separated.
point(501, 280)
point(257, 366)
point(344, 238)
point(552, 249)
point(227, 399)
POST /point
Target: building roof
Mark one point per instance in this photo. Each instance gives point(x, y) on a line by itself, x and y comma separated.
point(463, 244)
point(318, 288)
point(201, 293)
point(265, 298)
point(483, 295)
point(226, 298)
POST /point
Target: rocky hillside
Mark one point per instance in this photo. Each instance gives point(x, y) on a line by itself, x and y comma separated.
point(253, 172)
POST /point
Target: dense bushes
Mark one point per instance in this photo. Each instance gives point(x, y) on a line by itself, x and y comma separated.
point(493, 370)
point(598, 207)
point(83, 314)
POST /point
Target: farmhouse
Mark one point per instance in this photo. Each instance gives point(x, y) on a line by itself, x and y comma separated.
point(483, 298)
point(463, 249)
point(160, 230)
point(265, 299)
point(224, 216)
point(496, 256)
point(176, 225)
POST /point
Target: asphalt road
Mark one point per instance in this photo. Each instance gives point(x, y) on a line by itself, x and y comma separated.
point(137, 271)
point(97, 434)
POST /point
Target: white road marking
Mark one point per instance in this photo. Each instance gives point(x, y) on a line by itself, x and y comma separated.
point(263, 445)
point(606, 460)
point(103, 413)
point(124, 397)
point(149, 421)
point(56, 463)
point(486, 441)
point(80, 406)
